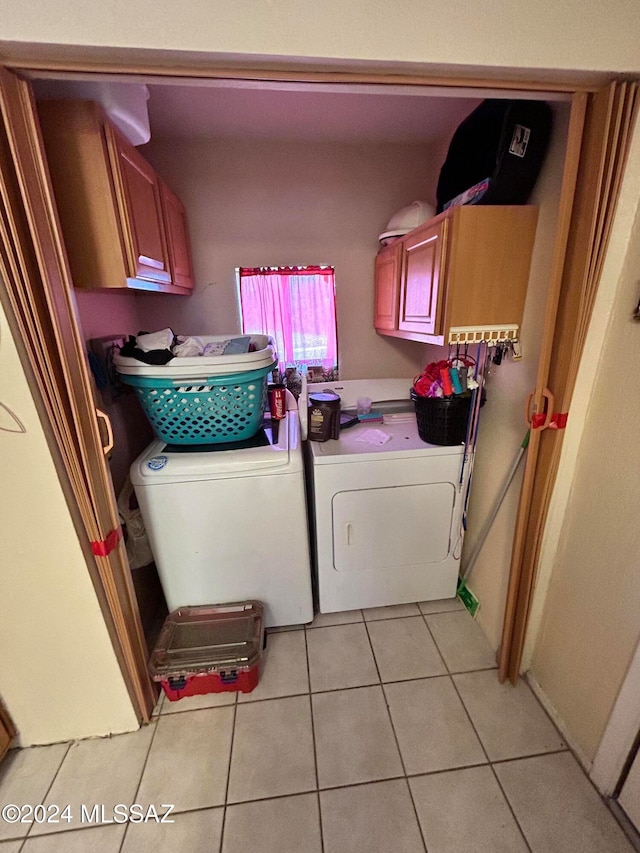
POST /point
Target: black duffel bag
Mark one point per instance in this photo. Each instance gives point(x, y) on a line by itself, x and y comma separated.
point(495, 154)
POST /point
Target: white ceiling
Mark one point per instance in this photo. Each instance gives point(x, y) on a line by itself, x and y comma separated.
point(348, 114)
point(245, 109)
point(254, 109)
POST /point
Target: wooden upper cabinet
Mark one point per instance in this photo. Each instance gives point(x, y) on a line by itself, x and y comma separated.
point(387, 277)
point(138, 195)
point(175, 218)
point(420, 293)
point(110, 203)
point(467, 268)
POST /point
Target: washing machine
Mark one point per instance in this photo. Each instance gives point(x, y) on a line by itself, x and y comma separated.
point(228, 522)
point(387, 506)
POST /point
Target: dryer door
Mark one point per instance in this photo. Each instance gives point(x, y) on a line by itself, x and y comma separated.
point(392, 527)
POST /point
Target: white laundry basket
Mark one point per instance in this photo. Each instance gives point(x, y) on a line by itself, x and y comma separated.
point(204, 399)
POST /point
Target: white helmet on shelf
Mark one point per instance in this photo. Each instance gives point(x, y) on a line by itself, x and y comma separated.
point(406, 220)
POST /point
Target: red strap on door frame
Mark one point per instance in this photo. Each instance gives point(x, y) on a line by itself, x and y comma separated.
point(105, 547)
point(556, 421)
point(539, 420)
point(545, 420)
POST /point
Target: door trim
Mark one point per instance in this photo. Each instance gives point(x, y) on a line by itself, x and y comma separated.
point(598, 163)
point(127, 62)
point(165, 68)
point(37, 291)
point(517, 609)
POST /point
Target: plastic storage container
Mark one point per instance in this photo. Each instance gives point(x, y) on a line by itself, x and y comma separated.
point(210, 649)
point(205, 399)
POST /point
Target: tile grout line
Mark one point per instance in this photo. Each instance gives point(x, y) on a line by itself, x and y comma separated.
point(62, 833)
point(144, 767)
point(313, 738)
point(569, 748)
point(333, 689)
point(395, 737)
point(529, 755)
point(146, 759)
point(47, 792)
point(226, 787)
point(508, 802)
point(177, 712)
point(344, 786)
point(435, 642)
point(312, 627)
point(490, 763)
point(475, 731)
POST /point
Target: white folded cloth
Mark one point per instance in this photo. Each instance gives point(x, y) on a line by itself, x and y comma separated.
point(155, 340)
point(374, 436)
point(215, 347)
point(188, 347)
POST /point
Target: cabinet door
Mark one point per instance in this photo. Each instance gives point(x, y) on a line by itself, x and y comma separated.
point(145, 240)
point(387, 278)
point(422, 290)
point(175, 219)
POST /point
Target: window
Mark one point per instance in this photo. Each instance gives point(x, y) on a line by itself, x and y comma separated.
point(297, 307)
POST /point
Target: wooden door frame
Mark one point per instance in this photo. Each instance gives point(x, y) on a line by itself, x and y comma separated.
point(166, 69)
point(37, 297)
point(598, 166)
point(7, 731)
point(513, 630)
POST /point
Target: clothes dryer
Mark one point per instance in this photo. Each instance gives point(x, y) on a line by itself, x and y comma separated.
point(386, 506)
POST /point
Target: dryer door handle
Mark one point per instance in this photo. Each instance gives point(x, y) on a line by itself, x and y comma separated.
point(347, 533)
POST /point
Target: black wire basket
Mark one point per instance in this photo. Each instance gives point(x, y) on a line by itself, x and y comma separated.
point(442, 420)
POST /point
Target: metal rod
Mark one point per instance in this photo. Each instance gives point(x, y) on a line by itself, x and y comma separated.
point(489, 522)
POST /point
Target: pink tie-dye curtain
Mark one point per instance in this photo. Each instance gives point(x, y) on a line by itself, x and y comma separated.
point(296, 306)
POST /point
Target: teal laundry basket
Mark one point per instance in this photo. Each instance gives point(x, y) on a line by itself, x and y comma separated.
point(211, 410)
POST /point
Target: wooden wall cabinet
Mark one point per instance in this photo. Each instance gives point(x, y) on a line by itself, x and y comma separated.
point(175, 218)
point(119, 229)
point(467, 268)
point(421, 302)
point(387, 283)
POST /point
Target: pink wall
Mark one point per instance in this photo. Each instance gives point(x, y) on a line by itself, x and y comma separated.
point(103, 313)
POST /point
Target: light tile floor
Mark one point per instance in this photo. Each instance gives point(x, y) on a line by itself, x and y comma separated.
point(383, 731)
